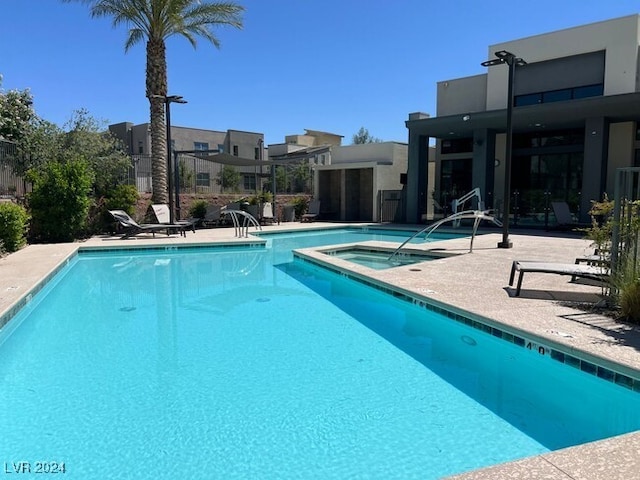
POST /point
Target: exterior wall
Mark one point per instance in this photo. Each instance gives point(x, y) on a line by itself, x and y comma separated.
point(314, 138)
point(277, 149)
point(619, 37)
point(621, 149)
point(247, 144)
point(388, 152)
point(462, 95)
point(185, 138)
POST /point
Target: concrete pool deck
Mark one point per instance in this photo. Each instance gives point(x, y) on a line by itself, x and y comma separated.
point(476, 283)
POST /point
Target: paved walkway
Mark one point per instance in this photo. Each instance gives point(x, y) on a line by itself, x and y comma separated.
point(473, 282)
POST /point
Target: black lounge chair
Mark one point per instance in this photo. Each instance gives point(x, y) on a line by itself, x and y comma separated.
point(573, 270)
point(133, 228)
point(313, 212)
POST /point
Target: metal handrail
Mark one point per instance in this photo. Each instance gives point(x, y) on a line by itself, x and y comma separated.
point(247, 221)
point(478, 215)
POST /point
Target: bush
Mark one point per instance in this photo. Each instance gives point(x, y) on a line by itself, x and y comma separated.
point(301, 205)
point(60, 202)
point(13, 226)
point(629, 298)
point(198, 209)
point(122, 197)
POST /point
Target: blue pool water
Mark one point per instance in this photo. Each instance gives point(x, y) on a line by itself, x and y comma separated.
point(286, 242)
point(213, 363)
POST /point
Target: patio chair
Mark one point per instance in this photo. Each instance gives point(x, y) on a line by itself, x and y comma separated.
point(563, 215)
point(133, 228)
point(267, 213)
point(313, 212)
point(162, 215)
point(212, 215)
point(573, 270)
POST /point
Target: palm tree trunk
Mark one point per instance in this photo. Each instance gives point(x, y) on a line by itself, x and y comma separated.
point(157, 93)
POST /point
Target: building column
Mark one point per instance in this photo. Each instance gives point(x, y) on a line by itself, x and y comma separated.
point(417, 176)
point(594, 167)
point(483, 164)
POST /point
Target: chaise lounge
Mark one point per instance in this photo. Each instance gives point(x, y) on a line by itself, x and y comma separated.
point(133, 228)
point(313, 212)
point(591, 272)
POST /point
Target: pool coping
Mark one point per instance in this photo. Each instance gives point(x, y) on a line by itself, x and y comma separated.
point(611, 459)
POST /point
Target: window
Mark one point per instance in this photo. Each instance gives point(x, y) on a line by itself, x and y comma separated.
point(249, 182)
point(559, 95)
point(588, 91)
point(556, 96)
point(457, 145)
point(200, 146)
point(455, 178)
point(202, 179)
point(140, 148)
point(256, 153)
point(235, 150)
point(220, 148)
point(173, 144)
point(531, 99)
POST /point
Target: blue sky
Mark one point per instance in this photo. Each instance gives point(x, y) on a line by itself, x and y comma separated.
point(319, 64)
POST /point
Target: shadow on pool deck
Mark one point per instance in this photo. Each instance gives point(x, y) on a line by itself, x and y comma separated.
point(476, 283)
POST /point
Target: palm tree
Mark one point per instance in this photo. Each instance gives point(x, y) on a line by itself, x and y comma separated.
point(154, 21)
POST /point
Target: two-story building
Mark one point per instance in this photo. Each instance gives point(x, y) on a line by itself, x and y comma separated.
point(575, 112)
point(202, 173)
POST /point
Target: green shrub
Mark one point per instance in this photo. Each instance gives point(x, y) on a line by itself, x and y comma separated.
point(60, 202)
point(629, 299)
point(198, 209)
point(13, 226)
point(301, 205)
point(122, 197)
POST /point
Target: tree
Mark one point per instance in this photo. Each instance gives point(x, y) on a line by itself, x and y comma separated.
point(154, 21)
point(16, 113)
point(363, 137)
point(228, 178)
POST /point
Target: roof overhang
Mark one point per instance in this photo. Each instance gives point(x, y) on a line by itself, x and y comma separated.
point(546, 116)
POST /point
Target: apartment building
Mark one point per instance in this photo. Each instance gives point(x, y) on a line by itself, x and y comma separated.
point(575, 113)
point(241, 144)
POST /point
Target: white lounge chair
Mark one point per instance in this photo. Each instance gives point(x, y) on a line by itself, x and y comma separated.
point(163, 215)
point(571, 269)
point(267, 213)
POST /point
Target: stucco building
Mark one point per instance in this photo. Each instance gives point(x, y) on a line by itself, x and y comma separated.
point(576, 107)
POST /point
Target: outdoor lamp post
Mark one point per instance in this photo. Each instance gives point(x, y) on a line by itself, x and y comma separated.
point(512, 61)
point(168, 100)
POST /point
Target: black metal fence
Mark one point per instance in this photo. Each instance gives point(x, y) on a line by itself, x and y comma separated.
point(206, 176)
point(196, 175)
point(391, 206)
point(11, 184)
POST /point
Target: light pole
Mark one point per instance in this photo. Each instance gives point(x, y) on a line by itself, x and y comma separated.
point(168, 100)
point(512, 61)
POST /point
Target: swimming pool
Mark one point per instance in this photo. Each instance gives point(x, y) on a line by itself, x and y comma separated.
point(211, 363)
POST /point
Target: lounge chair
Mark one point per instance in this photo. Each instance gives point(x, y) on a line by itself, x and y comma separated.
point(591, 272)
point(313, 212)
point(212, 215)
point(563, 215)
point(163, 216)
point(133, 228)
point(267, 213)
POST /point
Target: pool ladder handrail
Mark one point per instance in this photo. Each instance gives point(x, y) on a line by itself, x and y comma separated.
point(242, 226)
point(478, 215)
